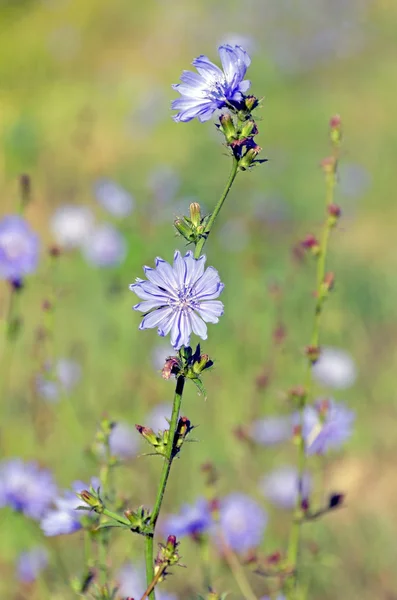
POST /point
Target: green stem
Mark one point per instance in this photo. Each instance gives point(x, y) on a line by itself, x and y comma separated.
point(295, 533)
point(203, 239)
point(180, 382)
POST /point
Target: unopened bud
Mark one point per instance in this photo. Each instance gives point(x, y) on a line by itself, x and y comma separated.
point(249, 129)
point(184, 229)
point(329, 281)
point(195, 214)
point(335, 500)
point(311, 243)
point(249, 157)
point(203, 363)
point(313, 353)
point(336, 129)
point(227, 127)
point(251, 102)
point(148, 434)
point(334, 212)
point(328, 165)
point(92, 500)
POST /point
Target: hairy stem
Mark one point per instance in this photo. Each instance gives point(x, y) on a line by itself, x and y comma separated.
point(217, 209)
point(163, 483)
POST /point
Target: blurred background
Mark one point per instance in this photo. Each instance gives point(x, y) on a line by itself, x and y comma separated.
point(85, 111)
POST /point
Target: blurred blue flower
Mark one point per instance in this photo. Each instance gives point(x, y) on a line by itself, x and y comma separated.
point(131, 583)
point(62, 379)
point(335, 368)
point(105, 247)
point(326, 426)
point(279, 597)
point(354, 180)
point(164, 183)
point(25, 487)
point(193, 519)
point(123, 441)
point(160, 354)
point(19, 248)
point(113, 198)
point(157, 418)
point(212, 88)
point(242, 522)
point(31, 563)
point(271, 430)
point(71, 225)
point(65, 518)
point(281, 486)
point(173, 296)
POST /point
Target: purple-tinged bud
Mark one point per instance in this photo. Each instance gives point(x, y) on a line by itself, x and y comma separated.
point(148, 434)
point(279, 334)
point(183, 429)
point(227, 127)
point(297, 394)
point(334, 212)
point(312, 353)
point(92, 500)
point(328, 165)
point(335, 501)
point(336, 129)
point(203, 363)
point(311, 243)
point(17, 285)
point(305, 505)
point(46, 306)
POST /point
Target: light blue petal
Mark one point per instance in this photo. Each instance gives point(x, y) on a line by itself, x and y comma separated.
point(195, 267)
point(244, 86)
point(198, 326)
point(154, 318)
point(210, 311)
point(208, 284)
point(165, 270)
point(148, 291)
point(192, 79)
point(148, 305)
point(207, 69)
point(179, 269)
point(191, 92)
point(166, 324)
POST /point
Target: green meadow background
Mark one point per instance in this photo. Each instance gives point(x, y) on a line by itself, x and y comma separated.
point(84, 94)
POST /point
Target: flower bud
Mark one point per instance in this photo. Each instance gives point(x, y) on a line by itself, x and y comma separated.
point(195, 214)
point(335, 501)
point(203, 363)
point(184, 229)
point(249, 129)
point(249, 157)
point(92, 500)
point(311, 243)
point(334, 212)
point(171, 367)
point(313, 353)
point(148, 434)
point(251, 103)
point(227, 127)
point(336, 129)
point(328, 165)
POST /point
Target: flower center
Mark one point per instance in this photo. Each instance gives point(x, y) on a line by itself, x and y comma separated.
point(185, 301)
point(216, 89)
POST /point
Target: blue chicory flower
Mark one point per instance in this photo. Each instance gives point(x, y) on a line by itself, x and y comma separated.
point(105, 247)
point(242, 522)
point(31, 563)
point(281, 486)
point(271, 430)
point(193, 519)
point(113, 198)
point(19, 248)
point(173, 296)
point(209, 89)
point(26, 488)
point(65, 518)
point(123, 441)
point(71, 224)
point(157, 418)
point(335, 368)
point(326, 425)
point(279, 597)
